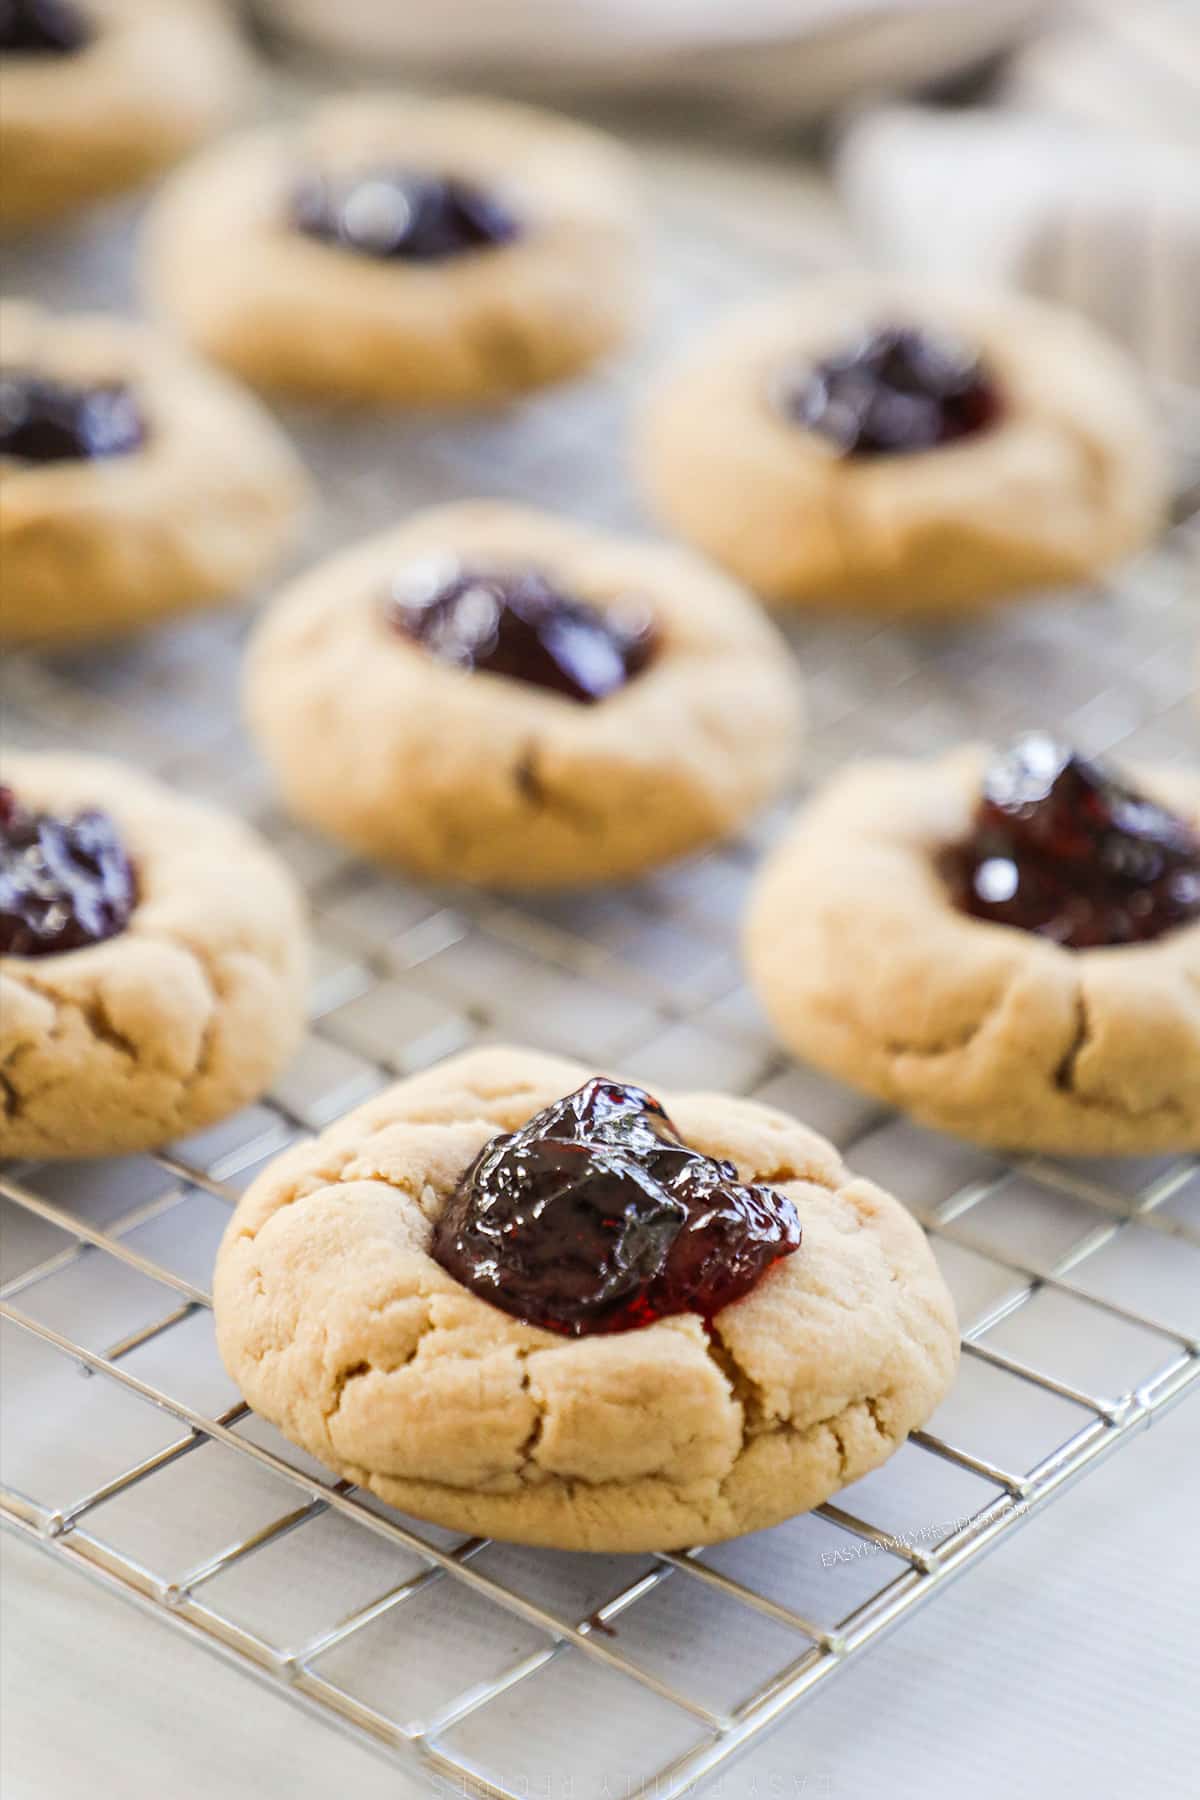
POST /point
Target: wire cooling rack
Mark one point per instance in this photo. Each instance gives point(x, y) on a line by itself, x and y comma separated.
point(509, 1671)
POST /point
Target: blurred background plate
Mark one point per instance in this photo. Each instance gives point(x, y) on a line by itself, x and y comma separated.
point(772, 61)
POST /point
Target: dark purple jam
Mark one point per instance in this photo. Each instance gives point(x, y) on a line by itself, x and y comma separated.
point(595, 1217)
point(400, 213)
point(893, 391)
point(43, 27)
point(518, 623)
point(1062, 848)
point(43, 420)
point(64, 883)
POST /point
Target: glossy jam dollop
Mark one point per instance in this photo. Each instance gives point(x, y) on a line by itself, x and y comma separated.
point(1063, 848)
point(401, 213)
point(895, 390)
point(518, 623)
point(43, 27)
point(596, 1217)
point(43, 420)
point(64, 883)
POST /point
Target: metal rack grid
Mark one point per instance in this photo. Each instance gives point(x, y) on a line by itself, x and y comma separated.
point(1077, 1282)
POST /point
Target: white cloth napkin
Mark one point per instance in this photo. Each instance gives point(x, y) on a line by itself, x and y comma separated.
point(1100, 220)
point(1126, 68)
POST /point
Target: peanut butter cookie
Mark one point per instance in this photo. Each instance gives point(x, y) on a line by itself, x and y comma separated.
point(867, 442)
point(1008, 949)
point(134, 482)
point(505, 697)
point(151, 960)
point(99, 94)
point(645, 1410)
point(405, 251)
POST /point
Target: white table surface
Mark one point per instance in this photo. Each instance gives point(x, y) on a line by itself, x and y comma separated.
point(1068, 1662)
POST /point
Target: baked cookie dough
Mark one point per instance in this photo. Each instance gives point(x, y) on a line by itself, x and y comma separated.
point(1050, 474)
point(134, 482)
point(869, 969)
point(505, 259)
point(103, 93)
point(469, 775)
point(340, 1327)
point(190, 1005)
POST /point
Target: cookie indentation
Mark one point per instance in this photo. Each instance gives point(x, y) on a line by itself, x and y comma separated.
point(520, 623)
point(597, 1217)
point(44, 420)
point(402, 214)
point(64, 883)
point(894, 390)
point(1062, 847)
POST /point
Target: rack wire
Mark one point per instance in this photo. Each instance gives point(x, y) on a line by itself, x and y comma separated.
point(1077, 1282)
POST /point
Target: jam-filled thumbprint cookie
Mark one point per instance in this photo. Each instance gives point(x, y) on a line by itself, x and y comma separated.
point(100, 94)
point(134, 481)
point(1006, 946)
point(402, 251)
point(501, 696)
point(152, 960)
point(865, 442)
point(519, 1299)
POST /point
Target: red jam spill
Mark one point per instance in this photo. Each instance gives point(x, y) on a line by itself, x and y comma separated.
point(896, 390)
point(43, 27)
point(400, 213)
point(43, 420)
point(520, 625)
point(1062, 848)
point(596, 1217)
point(64, 883)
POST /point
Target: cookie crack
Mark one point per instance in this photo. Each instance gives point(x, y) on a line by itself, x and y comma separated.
point(341, 1381)
point(535, 790)
point(98, 1019)
point(527, 1452)
point(744, 1390)
point(714, 1489)
point(11, 1098)
point(354, 1371)
point(17, 1096)
point(92, 1009)
point(1066, 1071)
point(834, 1424)
point(872, 1404)
point(759, 1420)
